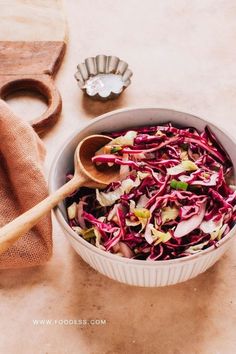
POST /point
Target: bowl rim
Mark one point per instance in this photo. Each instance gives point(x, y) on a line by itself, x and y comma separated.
point(111, 256)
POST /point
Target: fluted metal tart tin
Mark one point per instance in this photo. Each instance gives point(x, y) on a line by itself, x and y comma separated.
point(103, 77)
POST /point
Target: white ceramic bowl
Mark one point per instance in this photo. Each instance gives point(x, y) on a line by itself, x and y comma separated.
point(130, 271)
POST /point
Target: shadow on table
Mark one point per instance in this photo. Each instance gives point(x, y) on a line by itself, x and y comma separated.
point(170, 320)
point(11, 279)
point(96, 108)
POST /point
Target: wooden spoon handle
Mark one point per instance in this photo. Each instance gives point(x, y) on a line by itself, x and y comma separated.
point(23, 223)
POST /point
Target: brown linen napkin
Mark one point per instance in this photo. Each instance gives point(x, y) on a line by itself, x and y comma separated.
point(22, 185)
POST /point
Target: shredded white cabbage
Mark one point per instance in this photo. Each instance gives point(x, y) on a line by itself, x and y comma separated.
point(210, 226)
point(127, 139)
point(169, 213)
point(72, 210)
point(196, 248)
point(186, 165)
point(159, 236)
point(218, 232)
point(142, 201)
point(153, 235)
point(98, 238)
point(109, 198)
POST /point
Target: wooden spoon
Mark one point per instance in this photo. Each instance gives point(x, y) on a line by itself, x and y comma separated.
point(86, 174)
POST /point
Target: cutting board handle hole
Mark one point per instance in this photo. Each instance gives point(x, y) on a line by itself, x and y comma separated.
point(27, 104)
point(26, 99)
point(46, 104)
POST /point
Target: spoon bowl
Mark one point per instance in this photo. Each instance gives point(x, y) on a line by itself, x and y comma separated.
point(97, 176)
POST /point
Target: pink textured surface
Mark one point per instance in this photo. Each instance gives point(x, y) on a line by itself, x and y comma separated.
point(183, 57)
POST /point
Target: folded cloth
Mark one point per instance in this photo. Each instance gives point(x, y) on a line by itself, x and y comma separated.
point(22, 185)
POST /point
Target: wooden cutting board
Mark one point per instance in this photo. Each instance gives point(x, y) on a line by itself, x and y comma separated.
point(32, 45)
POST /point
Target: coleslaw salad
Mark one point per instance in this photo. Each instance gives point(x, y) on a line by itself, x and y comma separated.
point(173, 198)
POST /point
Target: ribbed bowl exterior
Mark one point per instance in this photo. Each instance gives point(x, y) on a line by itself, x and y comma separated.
point(153, 275)
point(129, 271)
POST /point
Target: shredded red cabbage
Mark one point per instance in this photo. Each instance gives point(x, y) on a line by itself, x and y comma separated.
point(173, 198)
